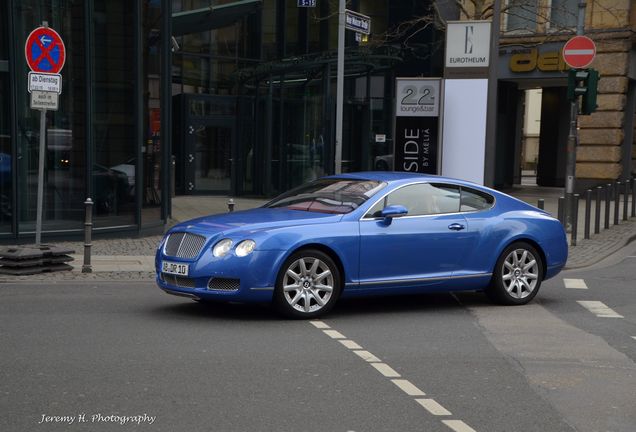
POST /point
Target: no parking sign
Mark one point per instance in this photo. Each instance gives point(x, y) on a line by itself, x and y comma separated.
point(44, 51)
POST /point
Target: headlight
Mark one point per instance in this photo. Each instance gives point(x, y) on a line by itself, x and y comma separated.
point(222, 248)
point(245, 248)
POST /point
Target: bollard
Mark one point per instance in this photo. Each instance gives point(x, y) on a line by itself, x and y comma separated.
point(88, 231)
point(617, 201)
point(597, 211)
point(626, 200)
point(575, 218)
point(633, 196)
point(230, 205)
point(541, 204)
point(560, 210)
point(608, 192)
point(588, 209)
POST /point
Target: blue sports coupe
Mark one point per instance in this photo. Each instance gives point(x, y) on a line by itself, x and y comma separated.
point(362, 234)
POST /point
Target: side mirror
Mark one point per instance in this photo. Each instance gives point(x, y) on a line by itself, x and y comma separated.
point(393, 211)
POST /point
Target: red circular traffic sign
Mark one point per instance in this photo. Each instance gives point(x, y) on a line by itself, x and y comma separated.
point(44, 51)
point(579, 52)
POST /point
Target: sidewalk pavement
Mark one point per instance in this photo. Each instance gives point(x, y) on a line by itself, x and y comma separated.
point(133, 258)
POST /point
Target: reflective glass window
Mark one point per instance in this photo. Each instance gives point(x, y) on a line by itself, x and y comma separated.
point(474, 200)
point(115, 148)
point(6, 161)
point(65, 136)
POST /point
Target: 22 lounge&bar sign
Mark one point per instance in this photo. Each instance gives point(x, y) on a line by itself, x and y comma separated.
point(417, 125)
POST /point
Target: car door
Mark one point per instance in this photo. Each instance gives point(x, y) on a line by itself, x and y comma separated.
point(420, 248)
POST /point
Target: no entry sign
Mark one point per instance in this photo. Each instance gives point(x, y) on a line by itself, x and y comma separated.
point(44, 51)
point(579, 52)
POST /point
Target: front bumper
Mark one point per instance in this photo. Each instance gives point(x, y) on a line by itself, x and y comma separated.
point(231, 278)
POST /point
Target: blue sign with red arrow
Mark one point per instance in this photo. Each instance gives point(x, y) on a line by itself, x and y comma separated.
point(44, 51)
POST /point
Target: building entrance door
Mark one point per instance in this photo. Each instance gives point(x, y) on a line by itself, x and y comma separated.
point(208, 156)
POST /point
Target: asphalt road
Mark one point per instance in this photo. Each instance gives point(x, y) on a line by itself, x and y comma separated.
point(125, 356)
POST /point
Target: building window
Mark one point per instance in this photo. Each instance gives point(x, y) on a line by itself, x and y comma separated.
point(521, 16)
point(563, 14)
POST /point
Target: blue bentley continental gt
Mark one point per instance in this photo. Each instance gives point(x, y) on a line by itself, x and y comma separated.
point(365, 234)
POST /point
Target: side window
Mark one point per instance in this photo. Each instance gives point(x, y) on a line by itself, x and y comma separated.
point(473, 200)
point(444, 198)
point(421, 199)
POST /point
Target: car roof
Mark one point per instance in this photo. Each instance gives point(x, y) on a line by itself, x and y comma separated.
point(393, 176)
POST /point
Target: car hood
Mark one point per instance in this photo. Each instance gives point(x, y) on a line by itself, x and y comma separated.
point(258, 219)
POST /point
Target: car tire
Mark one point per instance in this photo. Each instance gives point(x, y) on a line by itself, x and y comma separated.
point(517, 276)
point(308, 285)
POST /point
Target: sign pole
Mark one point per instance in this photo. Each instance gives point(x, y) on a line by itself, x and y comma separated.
point(570, 164)
point(42, 155)
point(340, 87)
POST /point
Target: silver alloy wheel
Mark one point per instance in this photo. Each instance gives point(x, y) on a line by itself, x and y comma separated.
point(308, 284)
point(520, 273)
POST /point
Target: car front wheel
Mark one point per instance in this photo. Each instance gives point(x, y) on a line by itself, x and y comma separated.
point(517, 275)
point(308, 285)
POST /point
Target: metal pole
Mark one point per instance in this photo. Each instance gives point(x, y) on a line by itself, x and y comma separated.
point(608, 195)
point(588, 210)
point(575, 218)
point(570, 164)
point(541, 203)
point(626, 200)
point(560, 210)
point(617, 201)
point(633, 197)
point(340, 87)
point(41, 159)
point(597, 211)
point(88, 232)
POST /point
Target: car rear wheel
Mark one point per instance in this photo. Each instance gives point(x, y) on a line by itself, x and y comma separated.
point(517, 275)
point(308, 285)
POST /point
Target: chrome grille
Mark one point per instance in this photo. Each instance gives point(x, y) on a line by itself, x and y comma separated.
point(178, 281)
point(223, 284)
point(184, 245)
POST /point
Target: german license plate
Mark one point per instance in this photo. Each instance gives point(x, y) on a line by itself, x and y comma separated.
point(174, 268)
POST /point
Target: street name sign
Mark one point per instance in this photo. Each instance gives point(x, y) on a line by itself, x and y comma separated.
point(357, 22)
point(579, 52)
point(45, 82)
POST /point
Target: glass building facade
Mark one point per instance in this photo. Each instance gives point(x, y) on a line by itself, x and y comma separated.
point(194, 97)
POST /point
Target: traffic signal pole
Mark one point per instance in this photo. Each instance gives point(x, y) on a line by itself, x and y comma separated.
point(570, 164)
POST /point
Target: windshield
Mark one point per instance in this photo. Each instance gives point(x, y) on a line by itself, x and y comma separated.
point(336, 196)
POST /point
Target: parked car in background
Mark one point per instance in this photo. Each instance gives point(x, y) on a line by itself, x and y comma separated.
point(365, 234)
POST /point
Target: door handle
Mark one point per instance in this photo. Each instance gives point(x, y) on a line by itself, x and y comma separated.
point(456, 227)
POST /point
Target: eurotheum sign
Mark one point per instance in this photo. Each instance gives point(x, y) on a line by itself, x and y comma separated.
point(467, 44)
point(417, 125)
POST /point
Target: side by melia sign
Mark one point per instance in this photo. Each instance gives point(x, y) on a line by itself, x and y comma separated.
point(417, 125)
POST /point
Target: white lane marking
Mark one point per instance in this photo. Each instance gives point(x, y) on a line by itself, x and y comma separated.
point(458, 426)
point(634, 337)
point(334, 334)
point(433, 407)
point(386, 370)
point(366, 355)
point(350, 344)
point(407, 387)
point(319, 324)
point(599, 309)
point(575, 283)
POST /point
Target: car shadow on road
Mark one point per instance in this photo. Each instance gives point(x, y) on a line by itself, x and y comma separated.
point(217, 311)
